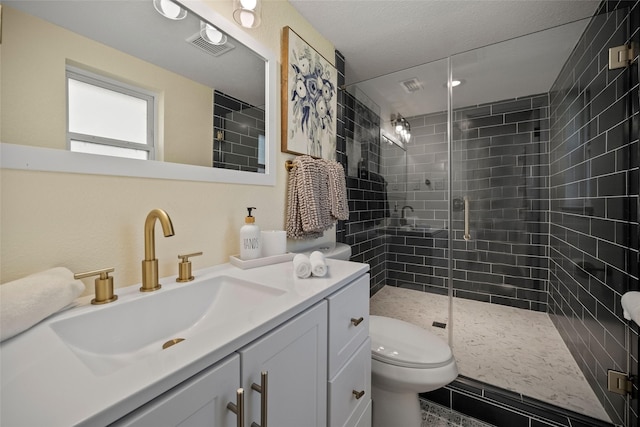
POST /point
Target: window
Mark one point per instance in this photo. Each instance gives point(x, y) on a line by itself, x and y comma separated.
point(108, 117)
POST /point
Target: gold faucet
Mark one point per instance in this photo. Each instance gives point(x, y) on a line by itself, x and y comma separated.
point(150, 263)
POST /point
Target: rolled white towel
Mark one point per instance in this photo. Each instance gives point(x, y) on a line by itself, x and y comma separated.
point(631, 306)
point(318, 264)
point(27, 301)
point(302, 266)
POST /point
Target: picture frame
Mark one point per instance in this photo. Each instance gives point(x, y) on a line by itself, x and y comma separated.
point(309, 99)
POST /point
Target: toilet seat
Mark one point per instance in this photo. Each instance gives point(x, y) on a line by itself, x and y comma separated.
point(403, 344)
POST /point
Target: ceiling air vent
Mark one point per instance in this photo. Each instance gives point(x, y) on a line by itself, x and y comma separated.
point(411, 85)
point(212, 49)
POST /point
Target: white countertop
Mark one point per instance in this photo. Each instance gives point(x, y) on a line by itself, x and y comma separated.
point(43, 383)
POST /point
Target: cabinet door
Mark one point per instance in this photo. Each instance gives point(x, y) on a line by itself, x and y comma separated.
point(294, 355)
point(198, 402)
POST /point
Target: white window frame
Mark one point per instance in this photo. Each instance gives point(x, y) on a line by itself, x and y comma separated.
point(150, 98)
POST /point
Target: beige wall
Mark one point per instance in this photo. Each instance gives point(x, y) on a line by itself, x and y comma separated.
point(86, 222)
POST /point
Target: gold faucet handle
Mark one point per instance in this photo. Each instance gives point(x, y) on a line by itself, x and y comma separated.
point(103, 285)
point(184, 267)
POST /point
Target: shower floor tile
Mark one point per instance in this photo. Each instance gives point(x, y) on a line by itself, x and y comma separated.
point(515, 349)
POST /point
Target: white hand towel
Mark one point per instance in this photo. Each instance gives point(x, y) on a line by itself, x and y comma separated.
point(631, 306)
point(302, 266)
point(318, 264)
point(27, 301)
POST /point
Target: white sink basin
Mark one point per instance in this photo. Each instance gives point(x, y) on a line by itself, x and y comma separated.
point(111, 337)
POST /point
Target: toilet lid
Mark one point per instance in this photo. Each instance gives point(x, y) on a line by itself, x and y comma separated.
point(403, 344)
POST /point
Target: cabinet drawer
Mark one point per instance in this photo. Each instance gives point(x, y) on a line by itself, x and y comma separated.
point(344, 408)
point(345, 334)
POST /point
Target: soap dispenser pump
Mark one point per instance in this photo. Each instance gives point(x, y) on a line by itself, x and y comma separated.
point(250, 238)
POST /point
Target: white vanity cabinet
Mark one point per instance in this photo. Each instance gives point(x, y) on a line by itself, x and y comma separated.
point(349, 349)
point(293, 356)
point(308, 336)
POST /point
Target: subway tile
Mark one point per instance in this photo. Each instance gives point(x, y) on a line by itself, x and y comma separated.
point(517, 105)
point(487, 412)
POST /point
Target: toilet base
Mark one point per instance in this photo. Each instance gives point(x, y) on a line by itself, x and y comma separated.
point(395, 409)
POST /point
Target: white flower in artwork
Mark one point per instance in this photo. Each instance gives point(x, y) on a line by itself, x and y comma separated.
point(301, 89)
point(311, 96)
point(321, 108)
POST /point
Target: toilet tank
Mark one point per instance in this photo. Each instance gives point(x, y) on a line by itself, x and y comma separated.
point(334, 250)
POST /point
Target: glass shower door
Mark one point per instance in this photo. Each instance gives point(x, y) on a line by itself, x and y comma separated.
point(541, 215)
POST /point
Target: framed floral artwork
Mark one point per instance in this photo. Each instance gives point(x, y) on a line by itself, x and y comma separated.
point(309, 99)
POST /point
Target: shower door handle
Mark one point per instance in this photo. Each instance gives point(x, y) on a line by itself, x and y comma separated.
point(467, 235)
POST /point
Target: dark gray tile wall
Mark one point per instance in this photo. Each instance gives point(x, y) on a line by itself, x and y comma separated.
point(365, 189)
point(358, 131)
point(341, 145)
point(236, 130)
point(500, 155)
point(593, 185)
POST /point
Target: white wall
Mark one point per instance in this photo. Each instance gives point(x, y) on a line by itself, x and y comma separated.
point(86, 222)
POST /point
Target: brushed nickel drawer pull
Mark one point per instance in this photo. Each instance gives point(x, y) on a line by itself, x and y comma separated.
point(358, 394)
point(262, 389)
point(238, 407)
point(357, 321)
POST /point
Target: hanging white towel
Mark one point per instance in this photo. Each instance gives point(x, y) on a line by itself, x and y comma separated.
point(631, 306)
point(27, 301)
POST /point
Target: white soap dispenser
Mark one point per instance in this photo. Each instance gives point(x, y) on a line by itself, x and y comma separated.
point(250, 238)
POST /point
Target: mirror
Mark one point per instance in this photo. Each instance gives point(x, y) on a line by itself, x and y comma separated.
point(214, 105)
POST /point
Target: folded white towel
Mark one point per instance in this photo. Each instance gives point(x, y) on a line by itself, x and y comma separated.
point(631, 306)
point(27, 301)
point(302, 266)
point(318, 264)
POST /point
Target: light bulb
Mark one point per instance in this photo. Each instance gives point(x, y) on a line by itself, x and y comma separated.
point(211, 34)
point(169, 9)
point(247, 18)
point(247, 12)
point(249, 4)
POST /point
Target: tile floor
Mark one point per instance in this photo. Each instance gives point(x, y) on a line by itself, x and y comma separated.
point(515, 349)
point(438, 416)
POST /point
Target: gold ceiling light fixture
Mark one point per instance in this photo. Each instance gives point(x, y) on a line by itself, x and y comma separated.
point(247, 12)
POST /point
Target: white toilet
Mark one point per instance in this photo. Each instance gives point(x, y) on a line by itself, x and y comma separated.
point(405, 360)
point(334, 250)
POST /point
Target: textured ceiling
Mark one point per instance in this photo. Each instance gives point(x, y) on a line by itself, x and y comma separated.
point(378, 37)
